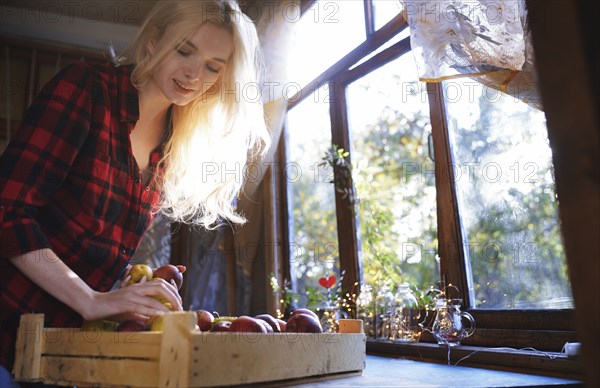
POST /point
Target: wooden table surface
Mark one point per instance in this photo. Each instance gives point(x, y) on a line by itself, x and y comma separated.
point(393, 372)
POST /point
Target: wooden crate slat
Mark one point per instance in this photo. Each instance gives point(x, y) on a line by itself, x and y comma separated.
point(99, 372)
point(241, 358)
point(175, 351)
point(73, 342)
point(180, 356)
point(29, 347)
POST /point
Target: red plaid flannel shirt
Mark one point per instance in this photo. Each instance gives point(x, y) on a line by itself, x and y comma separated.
point(69, 181)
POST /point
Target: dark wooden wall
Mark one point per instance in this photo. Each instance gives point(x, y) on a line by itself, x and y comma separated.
point(565, 38)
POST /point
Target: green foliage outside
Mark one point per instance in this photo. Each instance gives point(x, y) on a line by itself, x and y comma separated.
point(397, 202)
point(512, 231)
point(508, 205)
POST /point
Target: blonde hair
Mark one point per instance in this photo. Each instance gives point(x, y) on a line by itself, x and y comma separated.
point(213, 137)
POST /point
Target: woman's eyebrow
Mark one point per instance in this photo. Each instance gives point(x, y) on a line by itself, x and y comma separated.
point(189, 43)
point(195, 48)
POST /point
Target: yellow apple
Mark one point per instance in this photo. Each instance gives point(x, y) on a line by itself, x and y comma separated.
point(156, 323)
point(138, 271)
point(99, 325)
point(161, 299)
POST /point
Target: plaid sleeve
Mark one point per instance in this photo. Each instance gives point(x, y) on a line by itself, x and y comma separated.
point(39, 156)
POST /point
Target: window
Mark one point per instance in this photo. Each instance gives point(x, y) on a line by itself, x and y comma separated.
point(505, 189)
point(326, 32)
point(388, 118)
point(311, 201)
point(451, 189)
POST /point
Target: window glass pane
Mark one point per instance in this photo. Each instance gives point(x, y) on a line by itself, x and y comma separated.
point(389, 122)
point(385, 10)
point(326, 32)
point(311, 198)
point(505, 184)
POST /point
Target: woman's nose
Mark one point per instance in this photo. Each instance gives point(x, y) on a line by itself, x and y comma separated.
point(192, 73)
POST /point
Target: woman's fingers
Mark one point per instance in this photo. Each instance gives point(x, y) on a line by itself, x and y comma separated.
point(162, 288)
point(142, 299)
point(125, 281)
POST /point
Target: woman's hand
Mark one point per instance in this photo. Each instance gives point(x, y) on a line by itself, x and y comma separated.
point(126, 277)
point(138, 300)
point(45, 269)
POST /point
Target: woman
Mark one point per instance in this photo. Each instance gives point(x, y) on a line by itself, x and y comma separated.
point(104, 148)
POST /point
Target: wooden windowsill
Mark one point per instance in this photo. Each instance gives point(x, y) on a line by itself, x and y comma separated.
point(393, 372)
point(530, 362)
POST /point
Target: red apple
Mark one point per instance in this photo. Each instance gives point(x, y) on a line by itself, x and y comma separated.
point(282, 324)
point(246, 324)
point(221, 326)
point(266, 325)
point(303, 323)
point(132, 325)
point(273, 324)
point(204, 319)
point(305, 311)
point(169, 272)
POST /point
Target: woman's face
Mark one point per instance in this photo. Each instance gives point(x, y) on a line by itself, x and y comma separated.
point(191, 68)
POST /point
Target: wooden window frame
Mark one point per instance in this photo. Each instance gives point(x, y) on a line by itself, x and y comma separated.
point(544, 330)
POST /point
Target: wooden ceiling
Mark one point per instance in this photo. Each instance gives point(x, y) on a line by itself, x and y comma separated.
point(112, 11)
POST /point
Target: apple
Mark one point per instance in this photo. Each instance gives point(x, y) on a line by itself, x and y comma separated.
point(132, 325)
point(246, 324)
point(138, 271)
point(170, 272)
point(303, 323)
point(204, 319)
point(266, 325)
point(282, 324)
point(305, 311)
point(161, 299)
point(99, 325)
point(221, 326)
point(273, 324)
point(156, 323)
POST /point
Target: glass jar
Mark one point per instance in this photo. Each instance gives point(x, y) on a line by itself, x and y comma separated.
point(384, 302)
point(330, 314)
point(365, 310)
point(406, 315)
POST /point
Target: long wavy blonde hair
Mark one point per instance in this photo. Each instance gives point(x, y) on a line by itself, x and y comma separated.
point(214, 136)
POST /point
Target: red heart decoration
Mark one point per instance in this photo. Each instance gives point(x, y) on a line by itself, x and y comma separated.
point(327, 282)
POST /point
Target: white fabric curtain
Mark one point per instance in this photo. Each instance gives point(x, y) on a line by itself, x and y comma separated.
point(256, 241)
point(487, 40)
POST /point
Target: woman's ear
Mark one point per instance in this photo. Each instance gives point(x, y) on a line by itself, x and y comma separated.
point(152, 41)
point(151, 45)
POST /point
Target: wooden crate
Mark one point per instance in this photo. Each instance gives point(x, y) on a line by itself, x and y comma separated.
point(179, 356)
